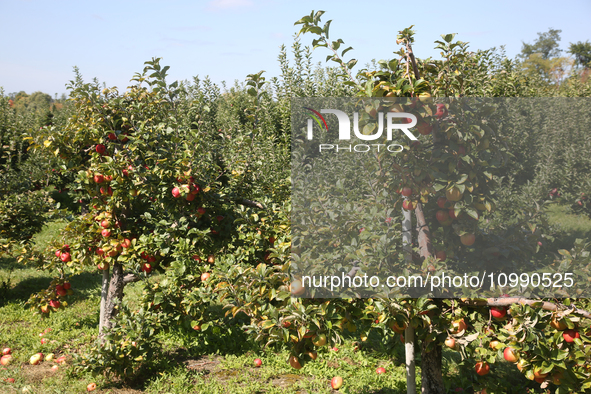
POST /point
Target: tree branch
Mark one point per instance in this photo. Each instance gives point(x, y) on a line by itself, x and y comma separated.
point(130, 278)
point(508, 301)
point(250, 203)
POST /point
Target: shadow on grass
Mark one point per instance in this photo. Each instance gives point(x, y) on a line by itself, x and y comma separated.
point(17, 285)
point(504, 377)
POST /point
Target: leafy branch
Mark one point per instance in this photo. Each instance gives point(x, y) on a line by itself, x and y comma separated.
point(311, 25)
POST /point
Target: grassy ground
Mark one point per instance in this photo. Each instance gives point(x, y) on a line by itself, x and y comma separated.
point(569, 227)
point(215, 361)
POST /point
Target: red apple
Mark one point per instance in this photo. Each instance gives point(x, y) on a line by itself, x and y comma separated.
point(100, 251)
point(570, 335)
point(442, 216)
point(494, 344)
point(126, 243)
point(406, 191)
point(424, 128)
point(450, 342)
point(9, 380)
point(190, 197)
point(100, 148)
point(58, 253)
point(91, 387)
point(112, 136)
point(453, 194)
point(258, 362)
point(468, 239)
point(105, 223)
point(44, 340)
point(498, 312)
point(201, 211)
point(336, 382)
point(65, 257)
point(393, 324)
point(441, 201)
point(482, 368)
point(295, 362)
point(55, 368)
point(408, 205)
point(5, 360)
point(510, 354)
point(6, 351)
point(106, 232)
point(176, 192)
point(67, 285)
point(380, 370)
point(54, 304)
point(441, 111)
point(147, 268)
point(205, 276)
point(36, 359)
point(538, 374)
point(458, 326)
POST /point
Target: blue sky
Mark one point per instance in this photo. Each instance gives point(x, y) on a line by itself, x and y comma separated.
point(228, 39)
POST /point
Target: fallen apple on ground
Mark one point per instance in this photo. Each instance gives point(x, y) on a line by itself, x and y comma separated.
point(336, 382)
point(36, 358)
point(5, 360)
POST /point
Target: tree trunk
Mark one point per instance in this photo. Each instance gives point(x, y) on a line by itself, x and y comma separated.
point(114, 295)
point(431, 362)
point(409, 352)
point(104, 295)
point(409, 333)
point(431, 370)
point(424, 234)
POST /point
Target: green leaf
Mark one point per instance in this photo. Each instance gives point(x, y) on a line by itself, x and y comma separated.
point(267, 324)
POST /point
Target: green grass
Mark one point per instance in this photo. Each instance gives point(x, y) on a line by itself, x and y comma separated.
point(569, 226)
